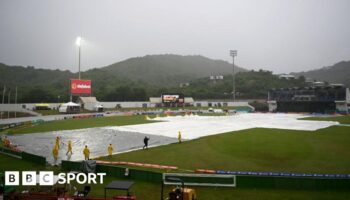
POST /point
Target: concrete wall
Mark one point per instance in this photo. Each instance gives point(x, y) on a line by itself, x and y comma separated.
point(25, 106)
point(342, 107)
point(130, 104)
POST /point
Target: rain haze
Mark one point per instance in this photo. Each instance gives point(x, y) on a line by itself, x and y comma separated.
point(276, 35)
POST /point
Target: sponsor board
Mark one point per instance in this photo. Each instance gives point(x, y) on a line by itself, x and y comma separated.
point(172, 98)
point(80, 86)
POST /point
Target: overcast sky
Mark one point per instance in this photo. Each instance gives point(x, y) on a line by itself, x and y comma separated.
point(277, 35)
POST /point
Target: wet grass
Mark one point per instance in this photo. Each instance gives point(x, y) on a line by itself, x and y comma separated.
point(8, 163)
point(345, 119)
point(259, 149)
point(7, 115)
point(71, 124)
point(56, 112)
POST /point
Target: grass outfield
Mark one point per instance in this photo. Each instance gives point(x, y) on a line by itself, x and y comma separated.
point(56, 112)
point(71, 124)
point(151, 191)
point(12, 115)
point(8, 163)
point(268, 150)
point(341, 119)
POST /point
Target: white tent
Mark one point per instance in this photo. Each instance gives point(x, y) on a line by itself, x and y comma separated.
point(90, 103)
point(69, 107)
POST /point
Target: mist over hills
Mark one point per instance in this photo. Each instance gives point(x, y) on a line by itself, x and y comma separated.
point(132, 79)
point(158, 70)
point(167, 69)
point(136, 79)
point(337, 73)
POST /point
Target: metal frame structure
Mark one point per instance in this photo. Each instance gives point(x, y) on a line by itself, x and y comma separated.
point(181, 175)
point(233, 53)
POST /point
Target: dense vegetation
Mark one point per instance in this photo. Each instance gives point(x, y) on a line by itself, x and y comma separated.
point(338, 73)
point(168, 70)
point(251, 84)
point(137, 79)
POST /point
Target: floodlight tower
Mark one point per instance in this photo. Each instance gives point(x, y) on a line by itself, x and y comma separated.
point(233, 53)
point(78, 43)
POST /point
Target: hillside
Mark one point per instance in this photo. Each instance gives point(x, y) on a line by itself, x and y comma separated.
point(168, 70)
point(249, 85)
point(132, 79)
point(338, 73)
point(45, 85)
point(137, 79)
point(34, 85)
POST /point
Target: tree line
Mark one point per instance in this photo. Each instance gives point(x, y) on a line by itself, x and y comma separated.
point(250, 84)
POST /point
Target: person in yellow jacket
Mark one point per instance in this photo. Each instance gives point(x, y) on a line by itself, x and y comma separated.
point(58, 142)
point(179, 137)
point(86, 153)
point(110, 150)
point(69, 147)
point(6, 142)
point(55, 154)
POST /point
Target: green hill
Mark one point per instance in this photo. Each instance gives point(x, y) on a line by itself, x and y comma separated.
point(132, 79)
point(136, 79)
point(168, 69)
point(249, 85)
point(338, 73)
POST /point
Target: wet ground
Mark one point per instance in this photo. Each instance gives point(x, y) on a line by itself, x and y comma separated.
point(97, 140)
point(194, 126)
point(128, 138)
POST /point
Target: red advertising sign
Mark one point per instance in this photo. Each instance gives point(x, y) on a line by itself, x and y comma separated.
point(80, 86)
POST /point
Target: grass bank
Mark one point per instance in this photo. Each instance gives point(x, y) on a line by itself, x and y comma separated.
point(71, 124)
point(259, 149)
point(345, 119)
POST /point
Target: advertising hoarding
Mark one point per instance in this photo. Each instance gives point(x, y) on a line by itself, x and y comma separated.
point(172, 98)
point(80, 86)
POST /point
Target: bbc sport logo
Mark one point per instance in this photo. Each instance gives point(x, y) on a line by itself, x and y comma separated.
point(47, 178)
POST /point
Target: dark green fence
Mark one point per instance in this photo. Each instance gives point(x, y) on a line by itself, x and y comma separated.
point(310, 183)
point(135, 174)
point(24, 155)
point(33, 158)
point(117, 171)
point(293, 183)
point(10, 152)
point(70, 165)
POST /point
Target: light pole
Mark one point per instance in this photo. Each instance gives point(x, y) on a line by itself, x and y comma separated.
point(9, 99)
point(16, 103)
point(233, 53)
point(3, 99)
point(78, 42)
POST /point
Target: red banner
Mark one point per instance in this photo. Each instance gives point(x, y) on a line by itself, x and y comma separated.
point(80, 86)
